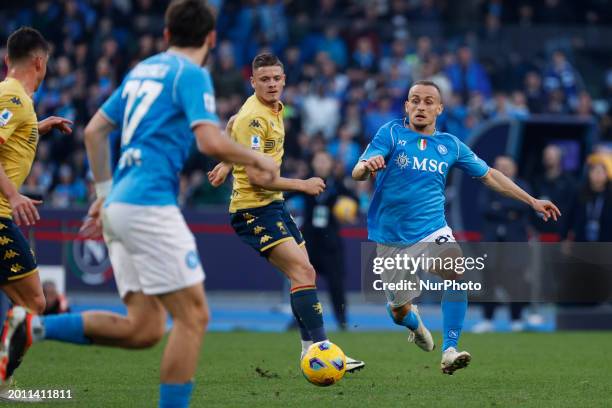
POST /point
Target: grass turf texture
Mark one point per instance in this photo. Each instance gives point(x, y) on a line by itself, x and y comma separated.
point(261, 370)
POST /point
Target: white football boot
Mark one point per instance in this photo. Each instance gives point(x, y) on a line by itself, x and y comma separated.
point(453, 360)
point(353, 365)
point(421, 336)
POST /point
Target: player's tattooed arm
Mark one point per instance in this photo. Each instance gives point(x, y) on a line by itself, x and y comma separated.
point(495, 180)
point(364, 168)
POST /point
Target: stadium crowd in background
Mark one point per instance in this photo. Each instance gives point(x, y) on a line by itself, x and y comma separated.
point(348, 65)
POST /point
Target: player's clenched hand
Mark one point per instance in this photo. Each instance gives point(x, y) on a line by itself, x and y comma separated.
point(313, 186)
point(54, 122)
point(373, 164)
point(217, 176)
point(24, 209)
point(547, 209)
point(92, 226)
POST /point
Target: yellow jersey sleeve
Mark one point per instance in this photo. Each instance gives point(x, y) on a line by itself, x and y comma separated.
point(250, 131)
point(12, 114)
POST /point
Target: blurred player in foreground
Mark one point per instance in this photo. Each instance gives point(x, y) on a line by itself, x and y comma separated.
point(258, 213)
point(28, 53)
point(161, 104)
point(411, 160)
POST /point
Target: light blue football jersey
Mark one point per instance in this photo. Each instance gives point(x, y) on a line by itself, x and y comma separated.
point(156, 107)
point(408, 200)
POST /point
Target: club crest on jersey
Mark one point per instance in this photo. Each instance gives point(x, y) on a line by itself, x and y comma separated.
point(422, 144)
point(255, 142)
point(5, 117)
point(402, 161)
point(442, 150)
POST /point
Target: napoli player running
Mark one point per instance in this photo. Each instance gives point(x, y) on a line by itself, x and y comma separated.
point(161, 103)
point(411, 160)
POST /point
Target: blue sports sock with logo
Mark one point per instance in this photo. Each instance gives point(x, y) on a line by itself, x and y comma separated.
point(63, 327)
point(306, 306)
point(175, 395)
point(454, 306)
point(410, 320)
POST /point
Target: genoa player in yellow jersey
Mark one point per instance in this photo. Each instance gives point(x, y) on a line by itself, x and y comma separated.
point(28, 53)
point(258, 213)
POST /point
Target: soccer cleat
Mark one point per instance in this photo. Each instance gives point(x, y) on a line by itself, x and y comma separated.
point(16, 339)
point(353, 365)
point(421, 336)
point(453, 360)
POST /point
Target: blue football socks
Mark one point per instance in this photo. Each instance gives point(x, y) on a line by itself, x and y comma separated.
point(175, 395)
point(64, 327)
point(454, 306)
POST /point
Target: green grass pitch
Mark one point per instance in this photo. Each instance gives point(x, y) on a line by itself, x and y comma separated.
point(241, 369)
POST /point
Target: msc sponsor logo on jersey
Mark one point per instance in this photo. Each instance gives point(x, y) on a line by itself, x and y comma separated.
point(5, 117)
point(402, 161)
point(15, 100)
point(425, 164)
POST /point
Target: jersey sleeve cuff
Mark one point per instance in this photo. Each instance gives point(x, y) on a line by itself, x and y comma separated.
point(203, 121)
point(107, 117)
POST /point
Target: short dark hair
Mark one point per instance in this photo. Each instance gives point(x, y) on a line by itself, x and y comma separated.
point(25, 41)
point(427, 83)
point(266, 60)
point(189, 22)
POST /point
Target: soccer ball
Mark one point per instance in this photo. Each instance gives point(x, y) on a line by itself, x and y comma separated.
point(345, 210)
point(324, 364)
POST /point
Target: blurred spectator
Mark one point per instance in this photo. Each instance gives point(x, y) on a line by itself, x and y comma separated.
point(560, 75)
point(378, 116)
point(56, 302)
point(69, 191)
point(344, 149)
point(322, 233)
point(321, 112)
point(333, 45)
point(556, 185)
point(536, 99)
point(505, 220)
point(227, 78)
point(467, 75)
point(590, 218)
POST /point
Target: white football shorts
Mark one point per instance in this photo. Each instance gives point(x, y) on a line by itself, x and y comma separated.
point(151, 249)
point(431, 246)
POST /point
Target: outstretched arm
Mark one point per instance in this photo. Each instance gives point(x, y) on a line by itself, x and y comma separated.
point(495, 180)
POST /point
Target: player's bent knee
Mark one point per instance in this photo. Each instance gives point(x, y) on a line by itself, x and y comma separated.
point(146, 338)
point(36, 304)
point(305, 274)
